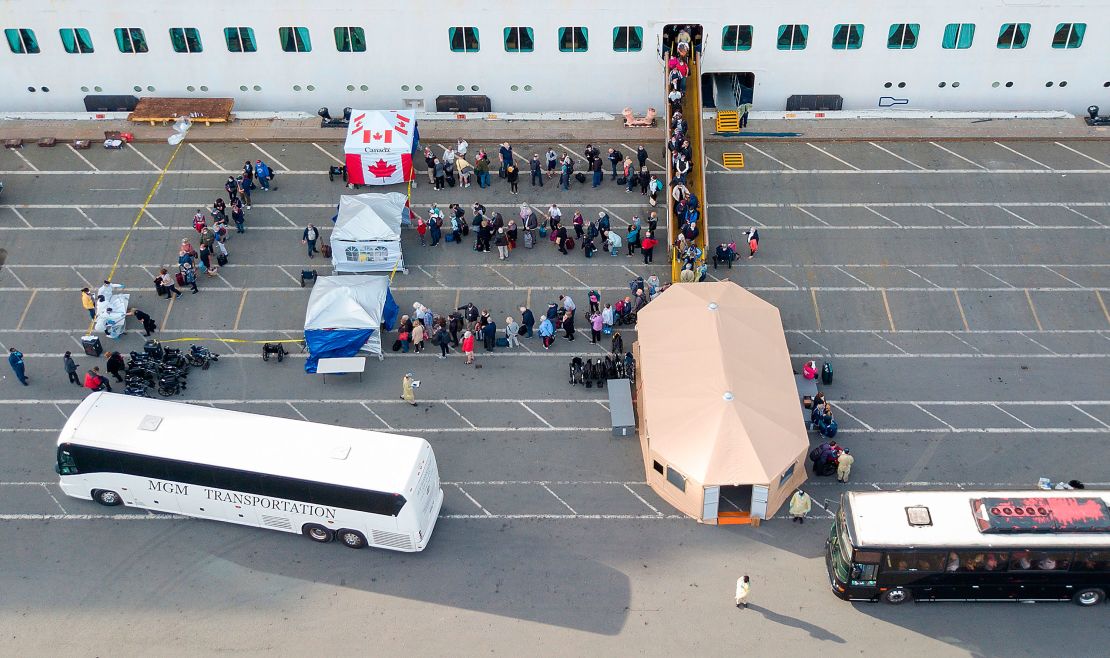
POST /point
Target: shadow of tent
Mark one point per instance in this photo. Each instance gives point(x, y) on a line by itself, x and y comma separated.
point(816, 632)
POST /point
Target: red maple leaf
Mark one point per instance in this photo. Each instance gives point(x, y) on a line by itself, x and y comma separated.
point(377, 135)
point(381, 169)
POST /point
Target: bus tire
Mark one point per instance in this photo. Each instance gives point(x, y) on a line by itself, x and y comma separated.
point(107, 497)
point(896, 596)
point(317, 533)
point(1091, 596)
point(351, 538)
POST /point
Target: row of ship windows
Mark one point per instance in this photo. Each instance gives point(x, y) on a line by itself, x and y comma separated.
point(903, 36)
point(627, 38)
point(204, 88)
point(132, 40)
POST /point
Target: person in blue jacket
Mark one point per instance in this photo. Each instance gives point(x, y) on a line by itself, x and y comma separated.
point(15, 360)
point(262, 170)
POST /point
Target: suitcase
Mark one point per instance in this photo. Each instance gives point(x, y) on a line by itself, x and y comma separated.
point(826, 373)
point(502, 341)
point(570, 243)
point(397, 345)
point(92, 345)
point(180, 278)
point(529, 241)
point(622, 180)
point(450, 237)
point(580, 177)
point(543, 231)
point(326, 250)
point(221, 260)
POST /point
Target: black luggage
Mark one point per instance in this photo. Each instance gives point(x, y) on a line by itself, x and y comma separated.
point(826, 373)
point(92, 345)
point(580, 177)
point(397, 345)
point(621, 180)
point(221, 260)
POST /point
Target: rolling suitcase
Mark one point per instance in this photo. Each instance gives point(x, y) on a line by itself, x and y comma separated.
point(529, 240)
point(326, 250)
point(221, 260)
point(580, 177)
point(92, 345)
point(826, 373)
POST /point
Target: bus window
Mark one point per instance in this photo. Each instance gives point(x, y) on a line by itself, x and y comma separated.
point(1092, 561)
point(917, 561)
point(972, 561)
point(1040, 560)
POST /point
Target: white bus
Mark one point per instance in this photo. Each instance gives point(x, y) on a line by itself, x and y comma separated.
point(360, 487)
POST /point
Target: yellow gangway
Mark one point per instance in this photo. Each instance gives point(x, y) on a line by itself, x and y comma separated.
point(695, 180)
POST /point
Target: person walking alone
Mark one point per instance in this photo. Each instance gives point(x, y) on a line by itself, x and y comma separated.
point(15, 360)
point(408, 389)
point(647, 247)
point(537, 170)
point(71, 369)
point(116, 364)
point(309, 237)
point(468, 347)
point(513, 176)
point(844, 466)
point(88, 303)
point(800, 505)
point(753, 242)
point(743, 591)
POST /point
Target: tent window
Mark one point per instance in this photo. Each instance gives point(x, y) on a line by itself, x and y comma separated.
point(185, 40)
point(240, 39)
point(786, 476)
point(1013, 36)
point(793, 37)
point(1069, 35)
point(131, 40)
point(903, 36)
point(350, 39)
point(463, 39)
point(736, 37)
point(295, 39)
point(628, 39)
point(658, 467)
point(574, 39)
point(519, 40)
point(22, 41)
point(677, 479)
point(848, 36)
point(76, 40)
point(958, 36)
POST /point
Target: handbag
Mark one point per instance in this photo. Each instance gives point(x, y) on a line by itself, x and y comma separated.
point(403, 336)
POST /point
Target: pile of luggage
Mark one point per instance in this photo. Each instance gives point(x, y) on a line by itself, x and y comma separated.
point(164, 370)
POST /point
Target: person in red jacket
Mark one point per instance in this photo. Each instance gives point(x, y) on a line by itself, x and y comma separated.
point(647, 246)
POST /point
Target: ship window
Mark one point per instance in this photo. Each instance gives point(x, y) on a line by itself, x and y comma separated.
point(848, 36)
point(519, 40)
point(736, 37)
point(131, 40)
point(185, 40)
point(958, 36)
point(903, 36)
point(463, 39)
point(628, 39)
point(574, 39)
point(76, 40)
point(240, 39)
point(1069, 35)
point(1013, 36)
point(295, 39)
point(677, 479)
point(793, 37)
point(350, 39)
point(22, 41)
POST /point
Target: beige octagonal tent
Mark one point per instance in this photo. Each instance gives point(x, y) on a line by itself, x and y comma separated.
point(720, 423)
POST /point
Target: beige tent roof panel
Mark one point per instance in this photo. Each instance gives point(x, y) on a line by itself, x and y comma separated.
point(719, 399)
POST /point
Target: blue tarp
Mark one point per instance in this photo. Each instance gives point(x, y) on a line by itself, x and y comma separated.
point(390, 312)
point(333, 343)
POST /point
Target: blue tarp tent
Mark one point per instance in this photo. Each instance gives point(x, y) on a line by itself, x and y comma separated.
point(345, 315)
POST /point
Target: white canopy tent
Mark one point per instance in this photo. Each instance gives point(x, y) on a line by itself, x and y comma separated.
point(345, 315)
point(367, 233)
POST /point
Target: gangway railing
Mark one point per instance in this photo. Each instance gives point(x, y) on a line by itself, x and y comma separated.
point(695, 179)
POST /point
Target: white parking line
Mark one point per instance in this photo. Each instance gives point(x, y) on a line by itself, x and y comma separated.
point(769, 156)
point(471, 499)
point(327, 153)
point(803, 210)
point(1014, 214)
point(548, 489)
point(380, 419)
point(83, 158)
point(465, 419)
point(843, 162)
point(1015, 152)
point(24, 159)
point(888, 151)
point(270, 157)
point(950, 152)
point(215, 164)
point(533, 412)
point(1095, 160)
point(150, 162)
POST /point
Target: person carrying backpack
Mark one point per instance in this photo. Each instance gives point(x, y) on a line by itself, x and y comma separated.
point(615, 159)
point(595, 301)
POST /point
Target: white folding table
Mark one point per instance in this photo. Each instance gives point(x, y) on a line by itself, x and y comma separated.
point(341, 366)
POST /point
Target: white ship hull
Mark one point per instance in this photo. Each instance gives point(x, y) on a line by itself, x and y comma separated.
point(408, 61)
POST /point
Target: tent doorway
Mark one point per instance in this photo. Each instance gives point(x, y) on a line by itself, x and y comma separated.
point(736, 499)
point(727, 91)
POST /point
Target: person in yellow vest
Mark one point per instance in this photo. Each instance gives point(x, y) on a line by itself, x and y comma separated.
point(844, 466)
point(800, 504)
point(743, 591)
point(407, 392)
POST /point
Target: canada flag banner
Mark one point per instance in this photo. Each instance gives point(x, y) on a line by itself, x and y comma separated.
point(379, 147)
point(379, 168)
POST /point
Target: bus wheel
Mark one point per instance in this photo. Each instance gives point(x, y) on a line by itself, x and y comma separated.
point(351, 538)
point(317, 533)
point(896, 596)
point(106, 497)
point(1088, 597)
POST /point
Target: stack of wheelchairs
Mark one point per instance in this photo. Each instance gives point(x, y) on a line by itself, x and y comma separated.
point(593, 372)
point(164, 370)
